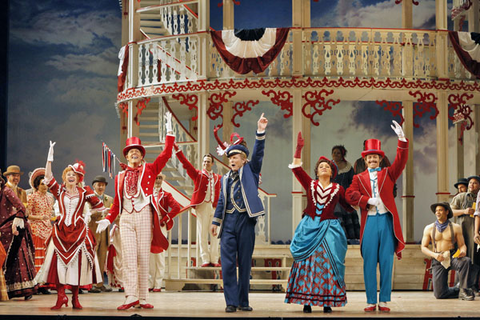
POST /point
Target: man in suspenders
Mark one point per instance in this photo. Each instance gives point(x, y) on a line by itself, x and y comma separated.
point(446, 237)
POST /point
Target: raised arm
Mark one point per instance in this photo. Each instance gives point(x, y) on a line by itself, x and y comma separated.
point(259, 146)
point(48, 166)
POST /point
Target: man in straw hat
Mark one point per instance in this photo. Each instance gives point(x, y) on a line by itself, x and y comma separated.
point(446, 238)
point(380, 230)
point(134, 200)
point(13, 174)
point(236, 213)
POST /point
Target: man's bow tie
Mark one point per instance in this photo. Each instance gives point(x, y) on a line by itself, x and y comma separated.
point(373, 170)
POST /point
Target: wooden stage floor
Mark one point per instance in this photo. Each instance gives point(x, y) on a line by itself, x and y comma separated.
point(188, 304)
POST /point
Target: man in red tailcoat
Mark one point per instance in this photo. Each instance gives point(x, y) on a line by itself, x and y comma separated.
point(372, 191)
point(204, 200)
point(134, 200)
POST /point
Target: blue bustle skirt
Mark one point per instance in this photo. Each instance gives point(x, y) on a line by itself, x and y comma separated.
point(317, 275)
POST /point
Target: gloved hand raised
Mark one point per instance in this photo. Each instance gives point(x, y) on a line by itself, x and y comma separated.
point(398, 130)
point(300, 144)
point(168, 122)
point(50, 152)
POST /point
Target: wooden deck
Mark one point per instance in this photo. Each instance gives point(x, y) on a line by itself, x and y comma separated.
point(188, 304)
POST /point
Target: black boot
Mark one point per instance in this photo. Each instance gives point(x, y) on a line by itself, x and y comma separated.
point(307, 309)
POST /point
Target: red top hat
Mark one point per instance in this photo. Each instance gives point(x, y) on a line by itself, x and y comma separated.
point(131, 143)
point(78, 168)
point(373, 146)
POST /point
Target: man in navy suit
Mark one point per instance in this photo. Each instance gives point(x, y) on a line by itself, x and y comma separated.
point(236, 213)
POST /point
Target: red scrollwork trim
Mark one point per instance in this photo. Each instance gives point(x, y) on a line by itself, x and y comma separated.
point(242, 107)
point(372, 83)
point(216, 103)
point(316, 100)
point(394, 107)
point(141, 104)
point(425, 103)
point(123, 106)
point(189, 100)
point(283, 99)
point(458, 102)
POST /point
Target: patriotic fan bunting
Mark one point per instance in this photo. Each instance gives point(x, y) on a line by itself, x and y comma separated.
point(108, 160)
point(466, 45)
point(246, 50)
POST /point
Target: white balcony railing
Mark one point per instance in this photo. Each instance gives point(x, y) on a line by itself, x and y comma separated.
point(325, 52)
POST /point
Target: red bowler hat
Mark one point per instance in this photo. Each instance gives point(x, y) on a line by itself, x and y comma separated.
point(373, 146)
point(133, 143)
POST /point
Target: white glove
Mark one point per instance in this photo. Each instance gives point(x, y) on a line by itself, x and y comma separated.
point(88, 217)
point(168, 122)
point(50, 152)
point(398, 130)
point(373, 201)
point(102, 225)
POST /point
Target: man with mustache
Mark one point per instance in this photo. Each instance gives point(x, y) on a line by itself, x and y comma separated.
point(380, 230)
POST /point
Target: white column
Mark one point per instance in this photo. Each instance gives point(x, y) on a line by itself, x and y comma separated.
point(204, 39)
point(228, 15)
point(407, 14)
point(203, 122)
point(442, 147)
point(408, 195)
point(132, 73)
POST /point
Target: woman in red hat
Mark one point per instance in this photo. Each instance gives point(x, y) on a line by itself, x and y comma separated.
point(40, 209)
point(319, 244)
point(70, 258)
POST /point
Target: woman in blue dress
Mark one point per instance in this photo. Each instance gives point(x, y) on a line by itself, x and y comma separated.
point(319, 244)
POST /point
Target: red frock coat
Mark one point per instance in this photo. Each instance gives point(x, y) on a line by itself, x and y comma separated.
point(68, 240)
point(360, 191)
point(165, 200)
point(200, 181)
point(147, 178)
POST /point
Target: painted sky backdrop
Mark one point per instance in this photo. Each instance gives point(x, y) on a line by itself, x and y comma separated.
point(62, 87)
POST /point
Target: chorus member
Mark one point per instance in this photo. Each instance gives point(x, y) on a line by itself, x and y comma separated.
point(99, 184)
point(16, 238)
point(380, 230)
point(464, 206)
point(349, 220)
point(319, 244)
point(40, 208)
point(168, 208)
point(237, 210)
point(447, 238)
point(13, 174)
point(139, 223)
point(461, 185)
point(204, 199)
point(70, 258)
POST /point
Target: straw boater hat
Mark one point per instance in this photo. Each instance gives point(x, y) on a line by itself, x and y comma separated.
point(39, 172)
point(12, 169)
point(131, 143)
point(446, 205)
point(78, 168)
point(99, 178)
point(373, 146)
point(460, 181)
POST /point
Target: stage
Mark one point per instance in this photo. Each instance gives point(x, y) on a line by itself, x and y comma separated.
point(188, 305)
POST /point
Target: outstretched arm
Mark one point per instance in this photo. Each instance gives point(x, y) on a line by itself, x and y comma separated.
point(48, 166)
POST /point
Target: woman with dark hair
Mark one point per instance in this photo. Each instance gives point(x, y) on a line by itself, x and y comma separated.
point(319, 244)
point(70, 258)
point(349, 220)
point(16, 238)
point(40, 209)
